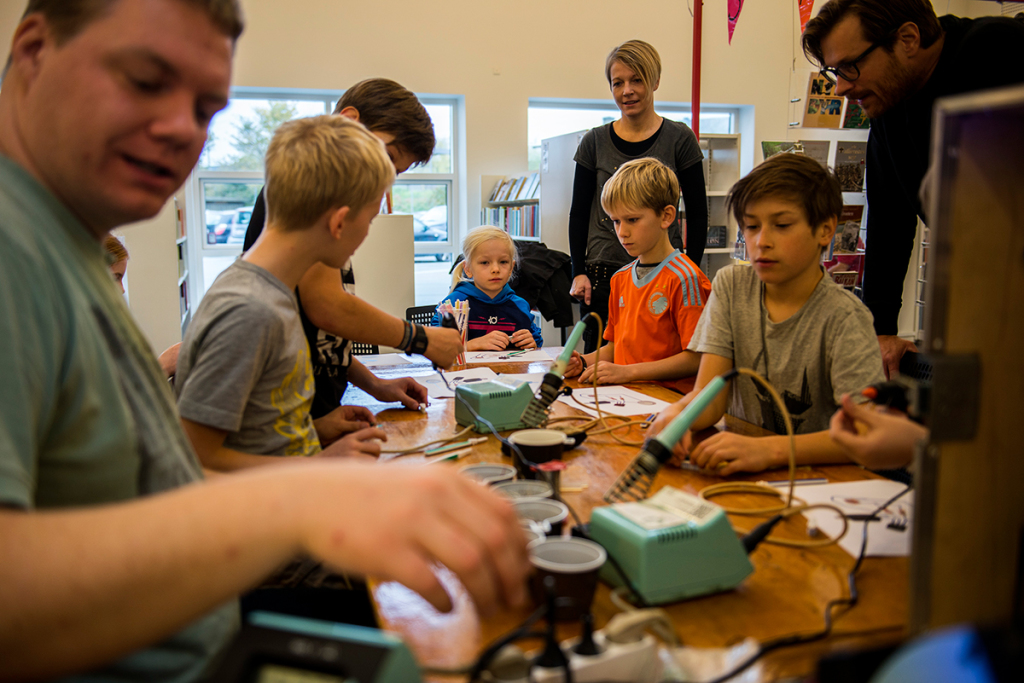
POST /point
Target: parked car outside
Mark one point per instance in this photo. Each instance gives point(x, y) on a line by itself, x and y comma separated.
point(431, 226)
point(231, 227)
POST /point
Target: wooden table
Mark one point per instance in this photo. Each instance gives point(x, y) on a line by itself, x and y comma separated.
point(786, 594)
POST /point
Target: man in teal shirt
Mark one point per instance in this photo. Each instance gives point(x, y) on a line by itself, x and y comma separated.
point(116, 558)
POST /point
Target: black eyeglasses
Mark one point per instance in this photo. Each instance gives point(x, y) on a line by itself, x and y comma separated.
point(848, 70)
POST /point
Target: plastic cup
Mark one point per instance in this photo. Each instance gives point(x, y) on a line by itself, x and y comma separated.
point(538, 446)
point(524, 490)
point(490, 473)
point(546, 513)
point(574, 564)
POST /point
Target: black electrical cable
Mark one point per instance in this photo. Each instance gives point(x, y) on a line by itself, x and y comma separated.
point(797, 639)
point(529, 464)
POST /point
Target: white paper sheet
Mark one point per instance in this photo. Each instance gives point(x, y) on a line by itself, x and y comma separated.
point(374, 360)
point(509, 356)
point(437, 389)
point(863, 497)
point(614, 400)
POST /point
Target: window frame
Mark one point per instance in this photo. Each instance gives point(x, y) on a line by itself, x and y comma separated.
point(193, 190)
point(661, 107)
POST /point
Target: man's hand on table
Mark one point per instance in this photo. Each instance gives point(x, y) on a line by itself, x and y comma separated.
point(443, 345)
point(405, 389)
point(396, 525)
point(893, 348)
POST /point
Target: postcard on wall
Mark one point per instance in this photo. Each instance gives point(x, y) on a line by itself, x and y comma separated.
point(770, 148)
point(851, 160)
point(855, 116)
point(817, 150)
point(822, 109)
point(848, 231)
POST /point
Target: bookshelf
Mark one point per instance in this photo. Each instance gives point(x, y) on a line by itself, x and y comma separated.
point(513, 204)
point(721, 170)
point(181, 243)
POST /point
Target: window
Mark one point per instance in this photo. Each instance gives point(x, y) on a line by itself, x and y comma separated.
point(548, 118)
point(429, 192)
point(224, 186)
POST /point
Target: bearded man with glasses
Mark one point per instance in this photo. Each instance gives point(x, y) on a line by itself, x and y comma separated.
point(895, 58)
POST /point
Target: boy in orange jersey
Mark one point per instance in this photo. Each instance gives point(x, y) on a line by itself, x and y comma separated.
point(657, 299)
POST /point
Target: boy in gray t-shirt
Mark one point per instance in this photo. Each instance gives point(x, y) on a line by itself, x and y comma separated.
point(244, 382)
point(783, 317)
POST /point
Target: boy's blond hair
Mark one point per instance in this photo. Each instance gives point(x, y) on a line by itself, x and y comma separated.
point(641, 184)
point(321, 163)
point(475, 238)
point(638, 56)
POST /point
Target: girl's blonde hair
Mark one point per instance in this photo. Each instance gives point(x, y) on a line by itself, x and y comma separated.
point(115, 248)
point(475, 238)
point(639, 57)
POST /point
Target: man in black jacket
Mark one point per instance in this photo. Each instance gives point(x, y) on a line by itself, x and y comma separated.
point(895, 58)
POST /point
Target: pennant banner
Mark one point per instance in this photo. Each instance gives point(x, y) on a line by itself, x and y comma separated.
point(805, 12)
point(735, 7)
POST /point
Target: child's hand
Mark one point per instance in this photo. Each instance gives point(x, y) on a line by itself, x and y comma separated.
point(523, 339)
point(575, 365)
point(342, 420)
point(364, 443)
point(492, 341)
point(875, 438)
point(607, 373)
point(726, 453)
point(681, 448)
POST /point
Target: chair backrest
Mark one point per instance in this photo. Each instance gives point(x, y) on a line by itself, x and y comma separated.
point(360, 349)
point(421, 315)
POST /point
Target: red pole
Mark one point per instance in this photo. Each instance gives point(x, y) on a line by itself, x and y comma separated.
point(697, 23)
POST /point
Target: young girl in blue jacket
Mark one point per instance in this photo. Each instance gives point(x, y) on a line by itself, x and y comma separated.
point(498, 319)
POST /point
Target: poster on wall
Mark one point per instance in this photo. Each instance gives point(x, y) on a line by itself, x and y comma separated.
point(855, 116)
point(850, 163)
point(817, 150)
point(822, 109)
point(770, 148)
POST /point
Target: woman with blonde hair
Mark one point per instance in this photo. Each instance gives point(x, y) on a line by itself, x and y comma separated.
point(633, 70)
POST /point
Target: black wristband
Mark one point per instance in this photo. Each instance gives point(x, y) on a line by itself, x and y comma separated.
point(583, 361)
point(419, 341)
point(407, 330)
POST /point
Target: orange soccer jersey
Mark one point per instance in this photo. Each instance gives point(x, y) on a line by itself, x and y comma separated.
point(653, 317)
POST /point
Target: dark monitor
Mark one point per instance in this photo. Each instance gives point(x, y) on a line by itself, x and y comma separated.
point(967, 548)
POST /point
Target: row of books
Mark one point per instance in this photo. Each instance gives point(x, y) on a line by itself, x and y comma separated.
point(516, 189)
point(517, 221)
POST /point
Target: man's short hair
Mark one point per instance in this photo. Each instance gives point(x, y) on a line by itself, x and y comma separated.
point(641, 184)
point(638, 56)
point(322, 163)
point(67, 18)
point(386, 107)
point(791, 177)
point(879, 20)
